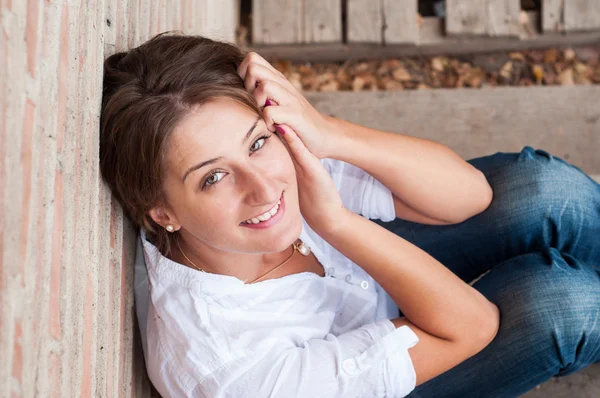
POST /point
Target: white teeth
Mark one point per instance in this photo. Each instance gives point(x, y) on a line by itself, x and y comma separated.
point(264, 216)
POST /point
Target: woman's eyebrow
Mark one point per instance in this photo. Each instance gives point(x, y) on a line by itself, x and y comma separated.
point(211, 161)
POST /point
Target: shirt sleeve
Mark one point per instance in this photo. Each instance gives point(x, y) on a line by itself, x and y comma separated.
point(360, 192)
point(370, 361)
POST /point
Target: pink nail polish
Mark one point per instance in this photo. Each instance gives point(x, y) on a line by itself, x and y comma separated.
point(280, 130)
point(268, 103)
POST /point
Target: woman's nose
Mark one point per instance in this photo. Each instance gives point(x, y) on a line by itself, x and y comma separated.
point(261, 188)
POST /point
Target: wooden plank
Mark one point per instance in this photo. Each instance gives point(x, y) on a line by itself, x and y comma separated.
point(276, 21)
point(553, 16)
point(493, 18)
point(365, 21)
point(400, 21)
point(561, 120)
point(322, 21)
point(432, 41)
point(582, 15)
point(219, 19)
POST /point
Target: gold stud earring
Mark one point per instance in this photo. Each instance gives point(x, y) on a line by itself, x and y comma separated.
point(169, 228)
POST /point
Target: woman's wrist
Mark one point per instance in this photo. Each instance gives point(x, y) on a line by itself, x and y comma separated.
point(336, 221)
point(336, 136)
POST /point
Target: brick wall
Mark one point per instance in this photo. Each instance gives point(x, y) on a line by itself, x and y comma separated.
point(67, 322)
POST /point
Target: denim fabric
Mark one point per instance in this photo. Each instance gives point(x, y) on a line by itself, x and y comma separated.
point(540, 242)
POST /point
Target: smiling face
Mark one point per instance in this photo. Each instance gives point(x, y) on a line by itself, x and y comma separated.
point(209, 202)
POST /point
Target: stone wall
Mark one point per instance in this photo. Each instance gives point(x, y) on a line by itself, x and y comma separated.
point(67, 321)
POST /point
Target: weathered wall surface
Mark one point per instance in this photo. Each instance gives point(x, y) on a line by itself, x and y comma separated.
point(67, 322)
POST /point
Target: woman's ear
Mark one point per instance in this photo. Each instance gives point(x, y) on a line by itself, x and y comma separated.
point(163, 217)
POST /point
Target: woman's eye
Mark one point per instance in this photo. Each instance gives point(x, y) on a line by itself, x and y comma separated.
point(263, 139)
point(210, 181)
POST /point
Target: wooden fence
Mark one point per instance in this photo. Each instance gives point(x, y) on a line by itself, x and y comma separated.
point(329, 29)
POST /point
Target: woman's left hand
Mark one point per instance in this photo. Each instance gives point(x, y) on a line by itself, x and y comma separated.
point(265, 82)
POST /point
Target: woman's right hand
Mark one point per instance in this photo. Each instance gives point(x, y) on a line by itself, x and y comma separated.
point(320, 202)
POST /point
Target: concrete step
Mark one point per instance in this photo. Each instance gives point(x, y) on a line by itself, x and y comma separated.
point(564, 121)
point(583, 384)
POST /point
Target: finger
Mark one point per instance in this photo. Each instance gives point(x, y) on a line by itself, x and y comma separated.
point(273, 91)
point(273, 115)
point(257, 73)
point(253, 57)
point(300, 153)
point(281, 133)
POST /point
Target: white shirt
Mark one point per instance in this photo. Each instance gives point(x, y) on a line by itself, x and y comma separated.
point(302, 335)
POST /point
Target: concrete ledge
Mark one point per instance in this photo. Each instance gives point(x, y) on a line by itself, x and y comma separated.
point(564, 121)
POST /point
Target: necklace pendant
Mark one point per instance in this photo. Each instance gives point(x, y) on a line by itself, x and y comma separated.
point(303, 249)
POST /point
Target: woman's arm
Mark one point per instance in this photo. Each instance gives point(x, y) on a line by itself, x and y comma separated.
point(429, 181)
point(428, 293)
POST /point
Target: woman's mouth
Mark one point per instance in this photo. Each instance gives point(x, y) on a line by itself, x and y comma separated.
point(268, 219)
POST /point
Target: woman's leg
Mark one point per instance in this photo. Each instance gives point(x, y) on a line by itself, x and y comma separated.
point(540, 201)
point(550, 325)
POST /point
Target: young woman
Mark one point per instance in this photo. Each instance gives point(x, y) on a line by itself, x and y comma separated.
point(228, 171)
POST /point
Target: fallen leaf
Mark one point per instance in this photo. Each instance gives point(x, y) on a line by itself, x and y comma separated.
point(517, 56)
point(331, 86)
point(358, 83)
point(566, 77)
point(596, 75)
point(569, 54)
point(506, 70)
point(475, 77)
point(582, 69)
point(390, 84)
point(401, 74)
point(551, 55)
point(538, 73)
point(437, 64)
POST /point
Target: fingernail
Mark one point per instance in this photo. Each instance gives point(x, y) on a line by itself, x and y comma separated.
point(280, 130)
point(268, 103)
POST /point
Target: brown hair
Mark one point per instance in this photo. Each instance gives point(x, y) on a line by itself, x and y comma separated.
point(147, 91)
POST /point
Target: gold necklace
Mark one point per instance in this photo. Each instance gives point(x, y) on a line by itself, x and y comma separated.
point(301, 247)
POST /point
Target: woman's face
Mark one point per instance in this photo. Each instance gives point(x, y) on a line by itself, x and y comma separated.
point(249, 177)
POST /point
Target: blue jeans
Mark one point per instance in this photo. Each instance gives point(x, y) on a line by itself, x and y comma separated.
point(540, 241)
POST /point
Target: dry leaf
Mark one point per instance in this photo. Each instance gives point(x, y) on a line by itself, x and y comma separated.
point(387, 83)
point(583, 69)
point(331, 86)
point(361, 67)
point(569, 54)
point(551, 55)
point(305, 69)
point(566, 77)
point(517, 56)
point(538, 73)
point(401, 74)
point(437, 64)
point(506, 70)
point(475, 77)
point(596, 75)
